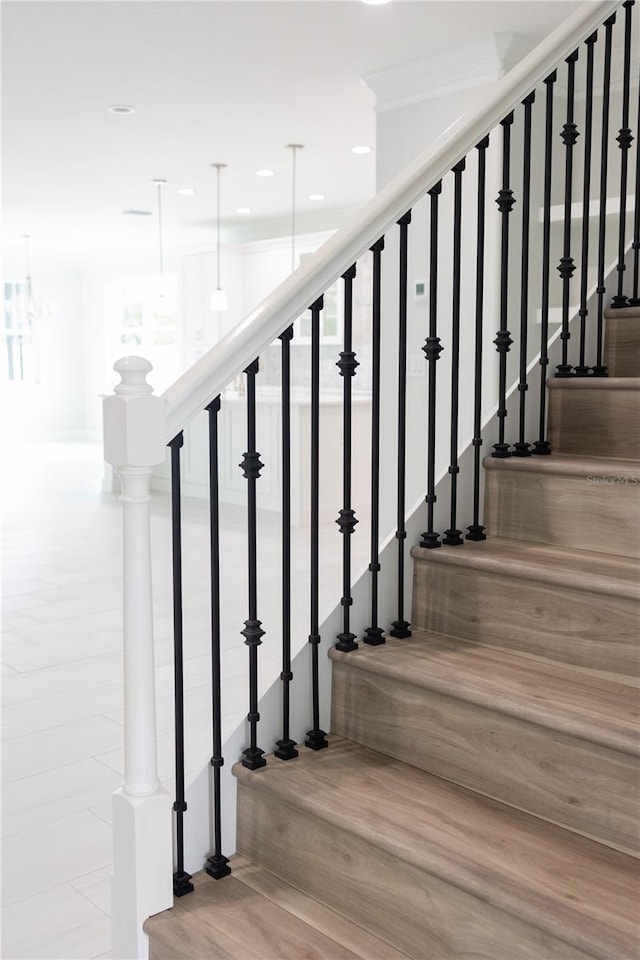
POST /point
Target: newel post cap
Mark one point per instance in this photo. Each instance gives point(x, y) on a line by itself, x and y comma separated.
point(133, 418)
point(133, 376)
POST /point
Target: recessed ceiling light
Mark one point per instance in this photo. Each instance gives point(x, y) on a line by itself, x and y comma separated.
point(264, 173)
point(186, 191)
point(316, 196)
point(361, 149)
point(375, 3)
point(121, 108)
point(243, 210)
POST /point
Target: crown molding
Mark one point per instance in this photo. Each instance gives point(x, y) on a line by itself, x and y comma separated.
point(468, 65)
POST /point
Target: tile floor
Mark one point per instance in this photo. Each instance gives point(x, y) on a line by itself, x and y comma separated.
point(62, 680)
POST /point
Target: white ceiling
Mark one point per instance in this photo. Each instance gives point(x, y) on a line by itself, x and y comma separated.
point(211, 80)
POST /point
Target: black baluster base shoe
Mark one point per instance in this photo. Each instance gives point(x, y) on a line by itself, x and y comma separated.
point(521, 449)
point(316, 740)
point(541, 448)
point(346, 642)
point(476, 532)
point(453, 538)
point(217, 867)
point(601, 371)
point(619, 302)
point(182, 884)
point(581, 371)
point(634, 302)
point(400, 629)
point(430, 541)
point(285, 750)
point(253, 759)
point(563, 371)
point(374, 636)
point(501, 451)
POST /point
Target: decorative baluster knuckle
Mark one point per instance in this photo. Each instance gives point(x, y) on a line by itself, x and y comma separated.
point(253, 632)
point(432, 348)
point(505, 201)
point(251, 465)
point(503, 341)
point(566, 268)
point(569, 134)
point(347, 521)
point(625, 138)
point(347, 364)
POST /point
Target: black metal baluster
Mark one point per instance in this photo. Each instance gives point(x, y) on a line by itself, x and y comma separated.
point(634, 301)
point(521, 448)
point(286, 748)
point(217, 865)
point(503, 341)
point(541, 447)
point(374, 635)
point(566, 267)
point(583, 369)
point(476, 530)
point(453, 536)
point(251, 465)
point(401, 628)
point(625, 139)
point(316, 739)
point(347, 364)
point(599, 370)
point(181, 880)
point(432, 350)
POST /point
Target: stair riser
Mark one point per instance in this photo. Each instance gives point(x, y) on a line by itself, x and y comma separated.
point(622, 346)
point(588, 512)
point(594, 422)
point(580, 785)
point(579, 627)
point(387, 895)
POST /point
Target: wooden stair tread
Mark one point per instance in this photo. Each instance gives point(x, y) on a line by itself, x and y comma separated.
point(568, 464)
point(253, 915)
point(583, 569)
point(550, 694)
point(580, 891)
point(593, 383)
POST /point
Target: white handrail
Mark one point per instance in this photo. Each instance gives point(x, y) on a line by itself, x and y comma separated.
point(206, 378)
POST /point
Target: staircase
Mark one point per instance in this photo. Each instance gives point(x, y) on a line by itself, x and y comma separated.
point(479, 797)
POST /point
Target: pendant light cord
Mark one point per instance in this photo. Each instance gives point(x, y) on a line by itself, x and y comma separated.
point(293, 209)
point(159, 187)
point(218, 226)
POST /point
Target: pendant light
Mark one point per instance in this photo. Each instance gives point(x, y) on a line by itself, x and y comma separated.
point(161, 306)
point(218, 297)
point(31, 311)
point(294, 147)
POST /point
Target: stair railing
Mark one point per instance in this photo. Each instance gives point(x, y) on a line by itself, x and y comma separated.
point(515, 136)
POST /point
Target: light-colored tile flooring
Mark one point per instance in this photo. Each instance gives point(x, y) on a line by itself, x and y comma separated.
point(62, 679)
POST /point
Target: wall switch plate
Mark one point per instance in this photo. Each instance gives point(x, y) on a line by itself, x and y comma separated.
point(419, 290)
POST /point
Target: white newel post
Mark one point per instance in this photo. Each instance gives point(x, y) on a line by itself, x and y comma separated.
point(142, 841)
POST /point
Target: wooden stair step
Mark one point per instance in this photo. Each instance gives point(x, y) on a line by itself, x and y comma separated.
point(540, 736)
point(586, 503)
point(595, 416)
point(622, 342)
point(433, 868)
point(254, 915)
point(573, 606)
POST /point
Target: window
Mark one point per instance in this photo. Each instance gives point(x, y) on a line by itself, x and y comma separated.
point(19, 328)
